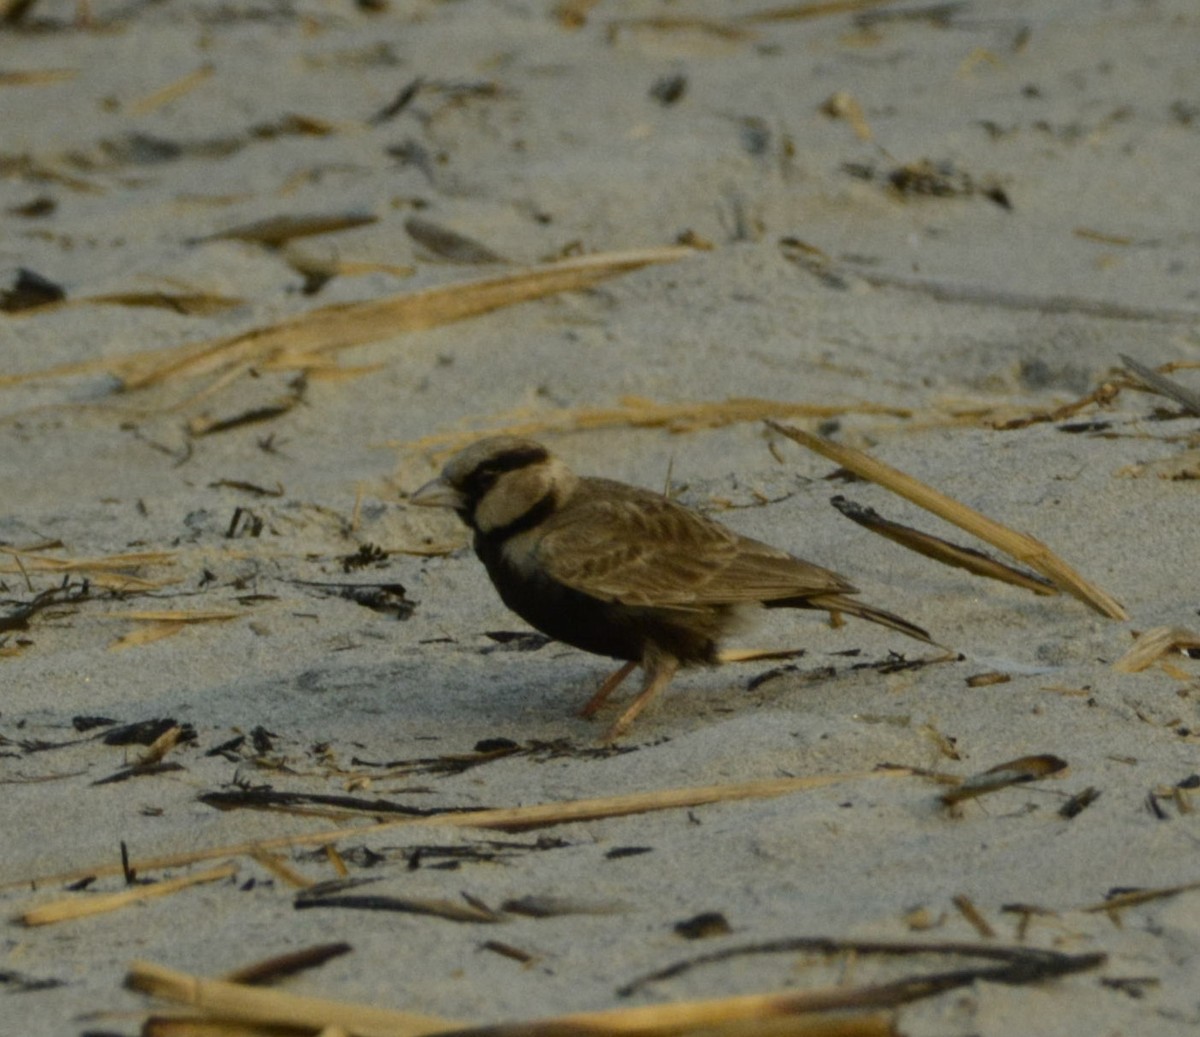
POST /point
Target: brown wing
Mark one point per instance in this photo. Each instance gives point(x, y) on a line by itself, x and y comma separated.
point(619, 543)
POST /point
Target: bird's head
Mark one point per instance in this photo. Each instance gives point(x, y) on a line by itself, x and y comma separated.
point(496, 483)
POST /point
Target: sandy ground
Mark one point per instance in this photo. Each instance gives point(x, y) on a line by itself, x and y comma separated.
point(959, 214)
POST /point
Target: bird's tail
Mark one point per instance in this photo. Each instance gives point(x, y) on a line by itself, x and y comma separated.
point(854, 607)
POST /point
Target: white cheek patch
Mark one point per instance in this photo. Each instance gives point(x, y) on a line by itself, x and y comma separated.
point(517, 493)
point(511, 497)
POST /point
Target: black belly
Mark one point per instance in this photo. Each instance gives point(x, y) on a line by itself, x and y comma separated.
point(606, 628)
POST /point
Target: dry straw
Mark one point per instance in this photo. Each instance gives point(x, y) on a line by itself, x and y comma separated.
point(81, 907)
point(800, 1014)
point(294, 342)
point(1021, 546)
point(538, 815)
point(1153, 645)
point(637, 412)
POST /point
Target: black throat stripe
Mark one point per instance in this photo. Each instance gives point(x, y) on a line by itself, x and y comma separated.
point(541, 511)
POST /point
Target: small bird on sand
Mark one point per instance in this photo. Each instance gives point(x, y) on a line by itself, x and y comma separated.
point(621, 571)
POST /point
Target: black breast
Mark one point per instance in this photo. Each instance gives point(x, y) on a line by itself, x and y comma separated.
point(601, 627)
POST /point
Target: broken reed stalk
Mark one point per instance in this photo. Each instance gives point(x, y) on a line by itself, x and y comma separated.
point(1188, 399)
point(537, 815)
point(240, 1003)
point(940, 550)
point(1021, 546)
point(789, 1011)
point(637, 412)
point(735, 1016)
point(104, 563)
point(80, 907)
point(798, 1014)
point(1152, 645)
point(343, 325)
point(1138, 896)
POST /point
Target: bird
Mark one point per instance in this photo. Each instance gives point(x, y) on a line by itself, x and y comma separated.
point(621, 571)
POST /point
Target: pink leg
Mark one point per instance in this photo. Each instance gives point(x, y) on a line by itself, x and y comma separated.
point(607, 688)
point(658, 677)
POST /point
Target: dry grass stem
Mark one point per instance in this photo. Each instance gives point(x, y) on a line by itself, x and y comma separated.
point(831, 1024)
point(637, 412)
point(171, 92)
point(800, 1014)
point(972, 915)
point(747, 655)
point(975, 562)
point(102, 903)
point(282, 965)
point(1139, 896)
point(506, 819)
point(1021, 546)
point(281, 870)
point(755, 1015)
point(109, 573)
point(737, 1016)
point(329, 329)
point(202, 1026)
point(1152, 645)
point(813, 9)
point(239, 1003)
point(163, 623)
point(1004, 775)
point(36, 76)
point(146, 635)
point(109, 563)
point(174, 615)
point(163, 744)
point(1164, 386)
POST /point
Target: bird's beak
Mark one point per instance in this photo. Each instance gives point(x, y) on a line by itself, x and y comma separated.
point(437, 494)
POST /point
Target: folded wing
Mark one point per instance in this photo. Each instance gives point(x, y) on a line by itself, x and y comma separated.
point(638, 548)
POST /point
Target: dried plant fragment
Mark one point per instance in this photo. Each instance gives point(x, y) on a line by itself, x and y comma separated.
point(1079, 802)
point(966, 907)
point(536, 815)
point(925, 178)
point(1004, 775)
point(1152, 645)
point(449, 244)
point(189, 304)
point(984, 680)
point(241, 1003)
point(34, 76)
point(637, 412)
point(1009, 964)
point(330, 895)
point(340, 326)
point(81, 907)
point(1184, 467)
point(1188, 399)
point(1021, 546)
point(285, 965)
point(1134, 897)
point(278, 230)
point(976, 562)
point(844, 105)
point(171, 92)
point(67, 593)
point(30, 291)
point(812, 9)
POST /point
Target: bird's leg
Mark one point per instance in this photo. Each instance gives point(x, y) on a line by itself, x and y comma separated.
point(659, 672)
point(611, 683)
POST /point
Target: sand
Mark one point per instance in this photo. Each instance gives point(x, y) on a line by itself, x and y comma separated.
point(927, 220)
